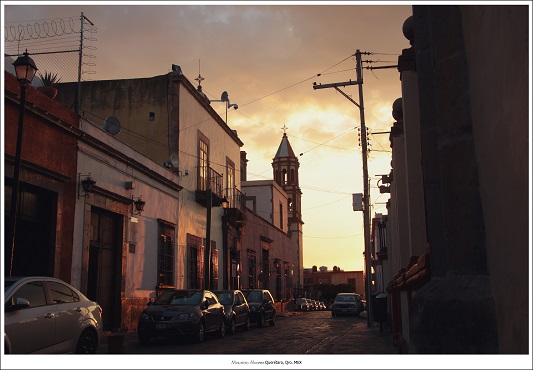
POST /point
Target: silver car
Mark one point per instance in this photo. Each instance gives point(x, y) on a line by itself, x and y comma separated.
point(47, 315)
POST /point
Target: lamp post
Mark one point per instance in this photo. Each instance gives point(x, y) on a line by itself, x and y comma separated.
point(25, 69)
point(227, 275)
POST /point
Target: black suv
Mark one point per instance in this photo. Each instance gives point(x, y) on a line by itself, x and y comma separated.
point(262, 307)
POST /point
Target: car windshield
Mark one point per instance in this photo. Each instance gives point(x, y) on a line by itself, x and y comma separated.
point(255, 297)
point(225, 298)
point(345, 298)
point(179, 298)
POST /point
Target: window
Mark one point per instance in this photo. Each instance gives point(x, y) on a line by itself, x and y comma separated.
point(230, 182)
point(212, 300)
point(281, 216)
point(165, 255)
point(32, 292)
point(284, 180)
point(265, 272)
point(214, 266)
point(203, 161)
point(251, 269)
point(62, 293)
point(195, 261)
point(292, 176)
point(239, 298)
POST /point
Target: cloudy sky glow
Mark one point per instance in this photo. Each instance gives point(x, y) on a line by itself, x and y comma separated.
point(267, 57)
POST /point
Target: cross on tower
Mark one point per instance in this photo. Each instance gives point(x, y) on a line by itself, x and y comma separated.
point(284, 128)
point(199, 78)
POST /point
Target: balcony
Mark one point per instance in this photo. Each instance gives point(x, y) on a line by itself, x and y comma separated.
point(211, 180)
point(237, 207)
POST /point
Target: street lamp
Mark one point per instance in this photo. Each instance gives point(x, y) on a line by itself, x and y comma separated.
point(25, 69)
point(225, 204)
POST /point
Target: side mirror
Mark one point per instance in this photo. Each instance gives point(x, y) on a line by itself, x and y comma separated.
point(21, 303)
point(206, 304)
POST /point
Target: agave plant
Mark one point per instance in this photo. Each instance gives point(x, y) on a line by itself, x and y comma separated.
point(49, 79)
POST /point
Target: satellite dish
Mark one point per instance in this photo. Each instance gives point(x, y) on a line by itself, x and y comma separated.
point(174, 160)
point(111, 125)
point(224, 96)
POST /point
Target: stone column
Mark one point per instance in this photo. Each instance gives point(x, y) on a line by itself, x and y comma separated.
point(454, 312)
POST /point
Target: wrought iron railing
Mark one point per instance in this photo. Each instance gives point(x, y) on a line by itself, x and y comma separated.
point(214, 183)
point(236, 198)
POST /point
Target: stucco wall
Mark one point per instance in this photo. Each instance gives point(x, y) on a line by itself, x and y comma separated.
point(111, 172)
point(496, 45)
point(280, 247)
point(47, 144)
point(131, 101)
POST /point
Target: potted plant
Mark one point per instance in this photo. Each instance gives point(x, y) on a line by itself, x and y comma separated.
point(49, 80)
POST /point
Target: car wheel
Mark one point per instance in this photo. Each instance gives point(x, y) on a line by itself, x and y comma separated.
point(233, 327)
point(222, 330)
point(273, 320)
point(200, 335)
point(88, 342)
point(261, 320)
point(144, 338)
point(247, 324)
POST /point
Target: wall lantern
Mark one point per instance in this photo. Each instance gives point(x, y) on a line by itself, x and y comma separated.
point(137, 205)
point(86, 185)
point(384, 189)
point(224, 202)
point(277, 262)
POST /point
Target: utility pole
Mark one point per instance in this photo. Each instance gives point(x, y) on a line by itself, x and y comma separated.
point(366, 194)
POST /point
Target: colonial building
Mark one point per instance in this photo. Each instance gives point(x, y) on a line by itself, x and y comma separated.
point(279, 202)
point(125, 226)
point(313, 278)
point(457, 236)
point(170, 121)
point(47, 183)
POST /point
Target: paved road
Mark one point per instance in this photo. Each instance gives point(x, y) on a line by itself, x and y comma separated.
point(307, 333)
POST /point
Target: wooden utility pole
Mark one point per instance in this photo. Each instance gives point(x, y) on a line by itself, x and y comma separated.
point(366, 187)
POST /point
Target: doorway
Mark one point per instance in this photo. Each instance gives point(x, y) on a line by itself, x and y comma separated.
point(105, 265)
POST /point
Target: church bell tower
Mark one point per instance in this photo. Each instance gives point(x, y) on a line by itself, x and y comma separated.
point(285, 165)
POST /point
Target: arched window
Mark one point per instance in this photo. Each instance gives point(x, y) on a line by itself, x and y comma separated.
point(292, 176)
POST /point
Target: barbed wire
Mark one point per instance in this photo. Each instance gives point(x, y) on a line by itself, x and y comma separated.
point(55, 45)
point(48, 28)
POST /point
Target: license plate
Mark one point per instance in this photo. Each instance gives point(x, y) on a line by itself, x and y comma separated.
point(160, 326)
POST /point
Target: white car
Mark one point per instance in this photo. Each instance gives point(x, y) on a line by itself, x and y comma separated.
point(47, 315)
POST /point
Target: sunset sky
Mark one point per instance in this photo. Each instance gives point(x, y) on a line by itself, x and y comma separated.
point(267, 57)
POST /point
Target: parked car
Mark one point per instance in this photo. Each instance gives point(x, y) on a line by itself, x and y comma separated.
point(236, 309)
point(301, 304)
point(347, 304)
point(182, 313)
point(262, 307)
point(48, 315)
